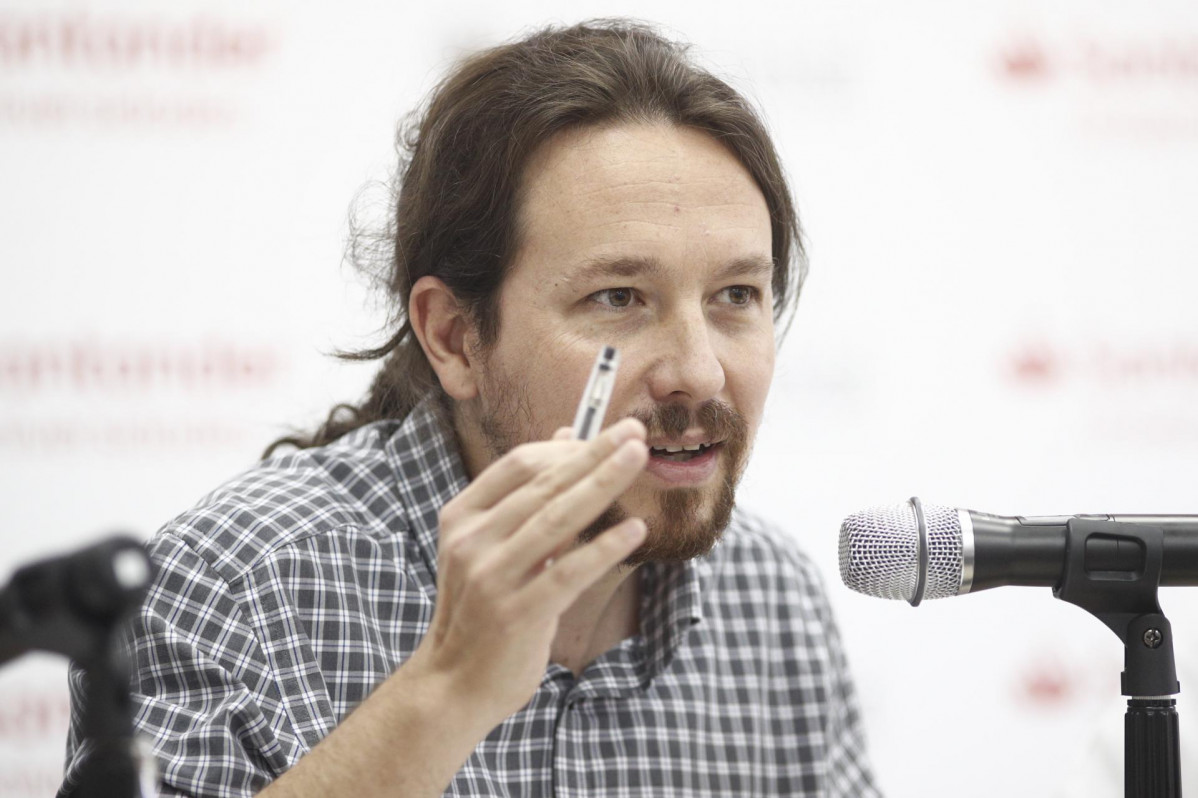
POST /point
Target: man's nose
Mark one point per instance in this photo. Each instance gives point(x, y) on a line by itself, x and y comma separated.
point(686, 363)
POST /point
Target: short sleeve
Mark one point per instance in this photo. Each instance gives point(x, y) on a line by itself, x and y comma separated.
point(848, 770)
point(201, 692)
point(849, 774)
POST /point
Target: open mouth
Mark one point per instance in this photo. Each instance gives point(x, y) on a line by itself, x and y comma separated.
point(680, 454)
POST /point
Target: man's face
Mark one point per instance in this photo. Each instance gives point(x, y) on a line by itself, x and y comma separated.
point(654, 239)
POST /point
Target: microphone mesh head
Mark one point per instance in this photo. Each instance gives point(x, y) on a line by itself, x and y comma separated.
point(879, 551)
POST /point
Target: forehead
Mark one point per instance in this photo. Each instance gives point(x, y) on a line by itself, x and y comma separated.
point(638, 191)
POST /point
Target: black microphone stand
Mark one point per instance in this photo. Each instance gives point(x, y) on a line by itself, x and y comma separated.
point(73, 605)
point(1112, 571)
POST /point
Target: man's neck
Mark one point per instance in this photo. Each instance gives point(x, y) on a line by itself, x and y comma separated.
point(607, 613)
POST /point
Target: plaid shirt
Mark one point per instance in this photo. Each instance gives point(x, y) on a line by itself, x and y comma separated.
point(287, 595)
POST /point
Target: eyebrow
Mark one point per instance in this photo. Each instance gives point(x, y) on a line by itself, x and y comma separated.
point(626, 266)
point(752, 266)
point(619, 266)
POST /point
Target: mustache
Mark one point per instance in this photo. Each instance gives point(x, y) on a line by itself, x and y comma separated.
point(718, 419)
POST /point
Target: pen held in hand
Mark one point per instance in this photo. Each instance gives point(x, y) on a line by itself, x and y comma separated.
point(593, 407)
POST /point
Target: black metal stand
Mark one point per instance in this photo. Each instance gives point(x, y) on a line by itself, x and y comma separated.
point(1152, 757)
point(1112, 571)
point(113, 767)
point(73, 605)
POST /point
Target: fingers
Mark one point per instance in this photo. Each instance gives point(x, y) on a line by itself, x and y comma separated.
point(510, 472)
point(536, 493)
point(526, 461)
point(562, 516)
point(560, 585)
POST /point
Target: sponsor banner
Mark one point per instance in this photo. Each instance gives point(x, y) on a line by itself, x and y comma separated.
point(84, 65)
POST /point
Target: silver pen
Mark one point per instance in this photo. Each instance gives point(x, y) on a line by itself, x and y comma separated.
point(593, 407)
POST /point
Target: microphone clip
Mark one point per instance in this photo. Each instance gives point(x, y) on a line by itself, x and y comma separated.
point(1112, 571)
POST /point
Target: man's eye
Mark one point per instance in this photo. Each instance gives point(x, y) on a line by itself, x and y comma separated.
point(740, 294)
point(614, 297)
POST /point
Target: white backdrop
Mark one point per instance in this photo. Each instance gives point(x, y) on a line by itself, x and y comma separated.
point(999, 199)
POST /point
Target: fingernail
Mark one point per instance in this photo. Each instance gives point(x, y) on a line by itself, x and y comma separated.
point(628, 428)
point(634, 529)
point(630, 452)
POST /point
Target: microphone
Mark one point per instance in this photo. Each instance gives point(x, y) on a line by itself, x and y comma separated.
point(66, 604)
point(915, 551)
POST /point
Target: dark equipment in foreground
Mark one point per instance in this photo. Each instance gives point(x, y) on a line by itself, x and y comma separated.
point(73, 605)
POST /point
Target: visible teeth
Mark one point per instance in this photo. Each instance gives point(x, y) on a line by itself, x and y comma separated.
point(697, 447)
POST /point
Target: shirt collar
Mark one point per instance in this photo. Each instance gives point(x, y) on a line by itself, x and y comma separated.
point(671, 605)
point(429, 472)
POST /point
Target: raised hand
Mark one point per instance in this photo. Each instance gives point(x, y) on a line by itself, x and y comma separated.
point(498, 597)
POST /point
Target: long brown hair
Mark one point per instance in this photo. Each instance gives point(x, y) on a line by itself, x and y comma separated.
point(455, 200)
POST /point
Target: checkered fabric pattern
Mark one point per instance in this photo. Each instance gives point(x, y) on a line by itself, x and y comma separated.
point(287, 595)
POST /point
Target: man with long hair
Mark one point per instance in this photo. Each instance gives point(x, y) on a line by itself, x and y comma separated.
point(441, 591)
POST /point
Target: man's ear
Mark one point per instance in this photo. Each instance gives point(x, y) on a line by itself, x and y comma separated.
point(446, 335)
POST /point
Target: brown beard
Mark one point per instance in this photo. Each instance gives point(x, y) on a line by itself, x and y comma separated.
point(681, 530)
